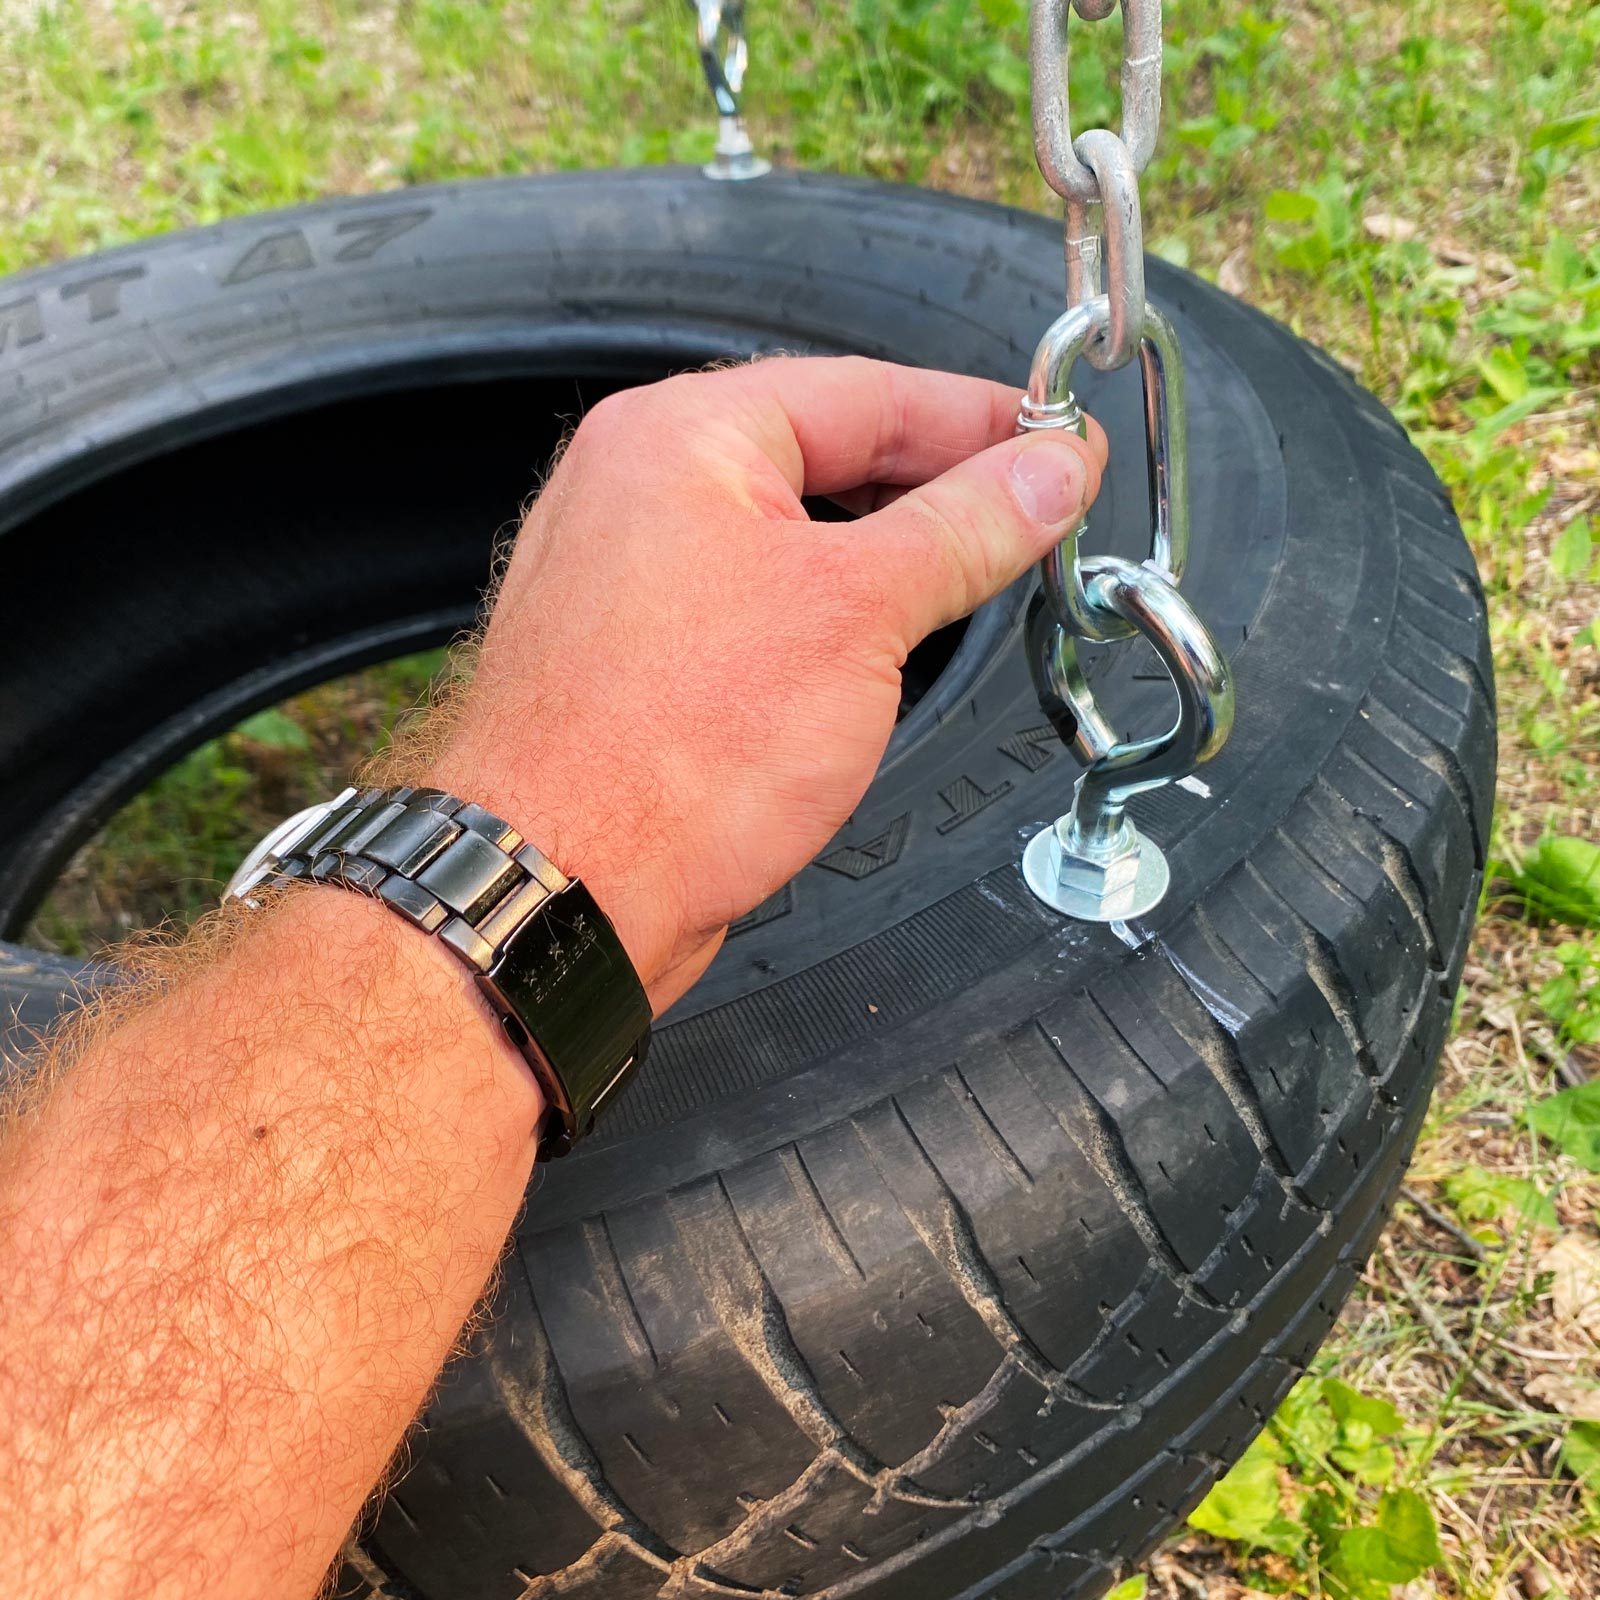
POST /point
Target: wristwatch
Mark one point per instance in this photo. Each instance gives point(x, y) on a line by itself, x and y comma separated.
point(541, 951)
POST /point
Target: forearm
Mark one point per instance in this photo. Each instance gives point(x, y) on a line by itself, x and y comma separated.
point(243, 1233)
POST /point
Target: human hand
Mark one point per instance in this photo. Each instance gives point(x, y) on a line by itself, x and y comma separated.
point(686, 684)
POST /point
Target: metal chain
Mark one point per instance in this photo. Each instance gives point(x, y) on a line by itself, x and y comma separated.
point(1099, 168)
point(1093, 863)
point(724, 50)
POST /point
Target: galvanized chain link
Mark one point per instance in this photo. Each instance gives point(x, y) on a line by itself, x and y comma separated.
point(1093, 862)
point(724, 50)
point(1063, 168)
point(1099, 168)
point(1049, 399)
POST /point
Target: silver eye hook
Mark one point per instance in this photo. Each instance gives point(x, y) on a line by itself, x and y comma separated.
point(725, 57)
point(1093, 863)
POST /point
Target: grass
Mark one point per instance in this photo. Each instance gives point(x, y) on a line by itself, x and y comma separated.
point(1414, 184)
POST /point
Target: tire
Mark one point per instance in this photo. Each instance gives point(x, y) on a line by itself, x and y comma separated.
point(947, 1248)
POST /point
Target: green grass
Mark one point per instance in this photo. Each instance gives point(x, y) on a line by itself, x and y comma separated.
point(1415, 186)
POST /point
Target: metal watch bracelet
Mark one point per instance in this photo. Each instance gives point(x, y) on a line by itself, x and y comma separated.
point(540, 950)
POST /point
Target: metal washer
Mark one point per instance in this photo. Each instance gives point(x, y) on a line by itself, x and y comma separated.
point(1143, 894)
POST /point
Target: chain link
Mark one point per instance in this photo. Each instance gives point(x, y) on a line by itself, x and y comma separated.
point(1118, 241)
point(1099, 170)
point(1063, 167)
point(1049, 403)
point(724, 52)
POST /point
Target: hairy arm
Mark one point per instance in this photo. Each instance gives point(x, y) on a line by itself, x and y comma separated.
point(245, 1218)
point(240, 1237)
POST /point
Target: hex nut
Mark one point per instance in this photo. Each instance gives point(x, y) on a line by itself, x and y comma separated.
point(1097, 878)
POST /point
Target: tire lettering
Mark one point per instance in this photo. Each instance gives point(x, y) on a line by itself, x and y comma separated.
point(31, 402)
point(368, 235)
point(774, 906)
point(871, 855)
point(22, 318)
point(103, 291)
point(966, 800)
point(678, 278)
point(1032, 747)
point(277, 252)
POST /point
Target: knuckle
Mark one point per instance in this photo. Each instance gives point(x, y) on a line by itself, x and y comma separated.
point(614, 432)
point(593, 443)
point(605, 421)
point(860, 369)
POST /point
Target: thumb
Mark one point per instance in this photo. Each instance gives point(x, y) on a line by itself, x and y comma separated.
point(961, 538)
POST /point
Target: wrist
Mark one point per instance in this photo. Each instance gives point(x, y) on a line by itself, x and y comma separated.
point(373, 966)
point(578, 815)
point(536, 943)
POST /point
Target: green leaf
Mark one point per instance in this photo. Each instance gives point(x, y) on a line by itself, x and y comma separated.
point(1304, 1422)
point(1365, 1461)
point(1401, 1545)
point(1584, 335)
point(1561, 879)
point(1562, 266)
point(1572, 550)
point(1580, 1455)
point(1365, 1565)
point(1131, 1589)
point(1245, 1501)
point(1545, 736)
point(1572, 998)
point(1508, 416)
point(1246, 1505)
point(1370, 1411)
point(1292, 205)
point(1481, 1196)
point(1579, 128)
point(1406, 1521)
point(274, 729)
point(1504, 372)
point(1571, 1121)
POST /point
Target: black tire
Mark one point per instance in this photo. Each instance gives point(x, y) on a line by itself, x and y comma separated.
point(946, 1248)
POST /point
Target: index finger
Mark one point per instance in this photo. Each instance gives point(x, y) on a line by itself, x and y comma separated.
point(834, 423)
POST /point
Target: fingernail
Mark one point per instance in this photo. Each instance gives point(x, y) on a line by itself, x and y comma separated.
point(1048, 480)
